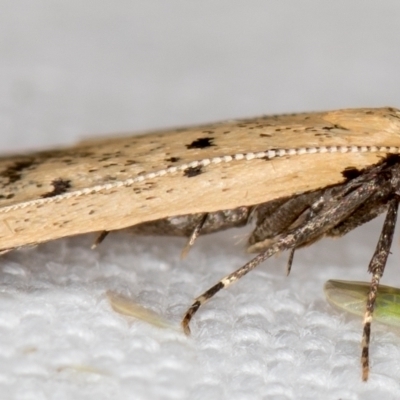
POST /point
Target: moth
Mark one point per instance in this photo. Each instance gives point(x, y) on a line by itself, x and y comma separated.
point(300, 177)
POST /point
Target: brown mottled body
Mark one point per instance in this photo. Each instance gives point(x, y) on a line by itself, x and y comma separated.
point(299, 177)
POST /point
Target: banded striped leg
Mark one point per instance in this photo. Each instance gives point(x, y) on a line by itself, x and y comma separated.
point(102, 235)
point(376, 268)
point(195, 234)
point(336, 210)
point(290, 261)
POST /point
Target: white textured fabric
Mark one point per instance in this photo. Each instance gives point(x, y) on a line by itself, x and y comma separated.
point(74, 69)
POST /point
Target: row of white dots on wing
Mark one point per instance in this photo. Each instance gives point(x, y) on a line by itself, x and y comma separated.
point(269, 154)
point(245, 156)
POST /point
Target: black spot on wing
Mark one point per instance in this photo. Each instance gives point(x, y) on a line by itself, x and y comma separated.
point(201, 143)
point(335, 126)
point(323, 134)
point(192, 171)
point(392, 159)
point(350, 173)
point(7, 196)
point(60, 186)
point(130, 162)
point(172, 159)
point(14, 172)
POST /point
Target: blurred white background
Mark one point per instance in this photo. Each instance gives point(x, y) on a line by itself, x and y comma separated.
point(71, 70)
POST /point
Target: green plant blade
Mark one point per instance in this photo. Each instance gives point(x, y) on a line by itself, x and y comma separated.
point(352, 297)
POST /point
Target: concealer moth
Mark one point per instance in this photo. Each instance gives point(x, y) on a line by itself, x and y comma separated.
point(300, 177)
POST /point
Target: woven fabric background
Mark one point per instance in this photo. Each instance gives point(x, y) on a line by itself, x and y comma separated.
point(71, 70)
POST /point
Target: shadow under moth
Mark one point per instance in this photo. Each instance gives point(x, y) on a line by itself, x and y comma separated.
point(300, 177)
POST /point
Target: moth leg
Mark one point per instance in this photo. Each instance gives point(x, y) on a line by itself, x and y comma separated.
point(278, 216)
point(194, 235)
point(376, 268)
point(225, 282)
point(290, 261)
point(364, 214)
point(102, 235)
point(337, 209)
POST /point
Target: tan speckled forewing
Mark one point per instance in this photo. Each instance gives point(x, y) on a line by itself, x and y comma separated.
point(97, 186)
